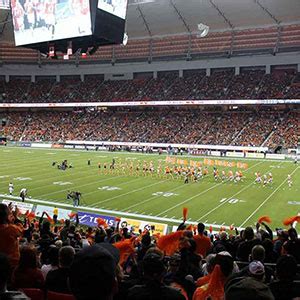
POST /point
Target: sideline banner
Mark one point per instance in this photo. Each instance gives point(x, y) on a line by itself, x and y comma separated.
point(135, 225)
point(22, 206)
point(90, 219)
point(62, 213)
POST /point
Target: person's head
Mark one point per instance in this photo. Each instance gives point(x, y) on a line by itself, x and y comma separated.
point(93, 273)
point(67, 222)
point(4, 271)
point(4, 213)
point(292, 233)
point(258, 253)
point(201, 228)
point(146, 240)
point(286, 268)
point(66, 256)
point(248, 233)
point(256, 270)
point(225, 261)
point(53, 255)
point(153, 266)
point(28, 258)
point(210, 262)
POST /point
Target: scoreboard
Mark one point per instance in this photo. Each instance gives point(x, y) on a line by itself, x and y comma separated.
point(42, 24)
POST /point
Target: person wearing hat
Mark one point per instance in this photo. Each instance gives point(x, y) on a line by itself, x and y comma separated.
point(249, 287)
point(153, 287)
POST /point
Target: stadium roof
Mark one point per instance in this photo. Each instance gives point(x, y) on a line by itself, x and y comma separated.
point(170, 17)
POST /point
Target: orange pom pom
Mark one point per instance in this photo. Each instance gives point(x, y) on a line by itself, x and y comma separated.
point(291, 220)
point(126, 249)
point(264, 219)
point(118, 219)
point(72, 215)
point(189, 228)
point(31, 216)
point(184, 212)
point(101, 222)
point(169, 243)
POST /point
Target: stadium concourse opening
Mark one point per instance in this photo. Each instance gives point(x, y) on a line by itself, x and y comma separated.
point(161, 163)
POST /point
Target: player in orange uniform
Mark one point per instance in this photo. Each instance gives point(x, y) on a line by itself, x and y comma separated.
point(230, 175)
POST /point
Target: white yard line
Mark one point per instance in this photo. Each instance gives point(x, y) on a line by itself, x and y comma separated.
point(266, 200)
point(151, 198)
point(133, 191)
point(197, 195)
point(228, 199)
point(69, 188)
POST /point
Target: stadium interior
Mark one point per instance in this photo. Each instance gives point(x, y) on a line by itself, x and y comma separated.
point(168, 146)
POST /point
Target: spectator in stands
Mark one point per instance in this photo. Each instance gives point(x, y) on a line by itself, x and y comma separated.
point(53, 260)
point(292, 245)
point(10, 230)
point(212, 285)
point(246, 245)
point(27, 274)
point(5, 272)
point(57, 280)
point(203, 243)
point(285, 287)
point(93, 274)
point(153, 288)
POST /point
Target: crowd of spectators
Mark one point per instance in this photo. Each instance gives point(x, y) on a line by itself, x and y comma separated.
point(110, 262)
point(157, 126)
point(221, 84)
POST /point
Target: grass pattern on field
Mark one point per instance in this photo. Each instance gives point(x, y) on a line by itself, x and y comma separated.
point(208, 201)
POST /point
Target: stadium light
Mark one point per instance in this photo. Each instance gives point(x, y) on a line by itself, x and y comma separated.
point(203, 30)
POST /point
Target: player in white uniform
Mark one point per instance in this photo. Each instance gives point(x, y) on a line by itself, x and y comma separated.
point(270, 179)
point(258, 177)
point(11, 188)
point(289, 180)
point(265, 180)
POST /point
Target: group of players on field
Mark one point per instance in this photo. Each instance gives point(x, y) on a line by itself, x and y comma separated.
point(189, 174)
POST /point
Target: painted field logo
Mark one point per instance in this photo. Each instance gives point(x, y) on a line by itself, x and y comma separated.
point(294, 202)
point(4, 176)
point(62, 183)
point(109, 188)
point(164, 194)
point(231, 200)
point(22, 178)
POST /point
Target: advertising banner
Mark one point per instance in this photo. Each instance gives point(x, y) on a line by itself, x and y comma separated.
point(22, 206)
point(62, 213)
point(90, 219)
point(135, 225)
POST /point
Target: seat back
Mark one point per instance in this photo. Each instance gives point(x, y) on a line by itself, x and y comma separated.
point(34, 294)
point(59, 296)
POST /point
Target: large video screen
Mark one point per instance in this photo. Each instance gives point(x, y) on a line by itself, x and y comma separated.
point(114, 7)
point(37, 21)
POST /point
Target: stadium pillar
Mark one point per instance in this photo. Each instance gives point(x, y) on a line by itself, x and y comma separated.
point(208, 72)
point(57, 78)
point(237, 70)
point(155, 74)
point(180, 73)
point(298, 67)
point(6, 78)
point(33, 78)
point(268, 69)
point(82, 77)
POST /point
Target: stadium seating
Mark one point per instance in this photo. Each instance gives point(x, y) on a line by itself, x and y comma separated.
point(222, 84)
point(193, 127)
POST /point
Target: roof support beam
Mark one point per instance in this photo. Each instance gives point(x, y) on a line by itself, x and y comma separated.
point(187, 27)
point(221, 14)
point(146, 24)
point(268, 12)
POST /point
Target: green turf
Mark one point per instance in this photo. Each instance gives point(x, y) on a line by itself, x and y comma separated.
point(244, 203)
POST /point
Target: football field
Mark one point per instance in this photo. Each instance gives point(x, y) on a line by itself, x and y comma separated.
point(159, 197)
